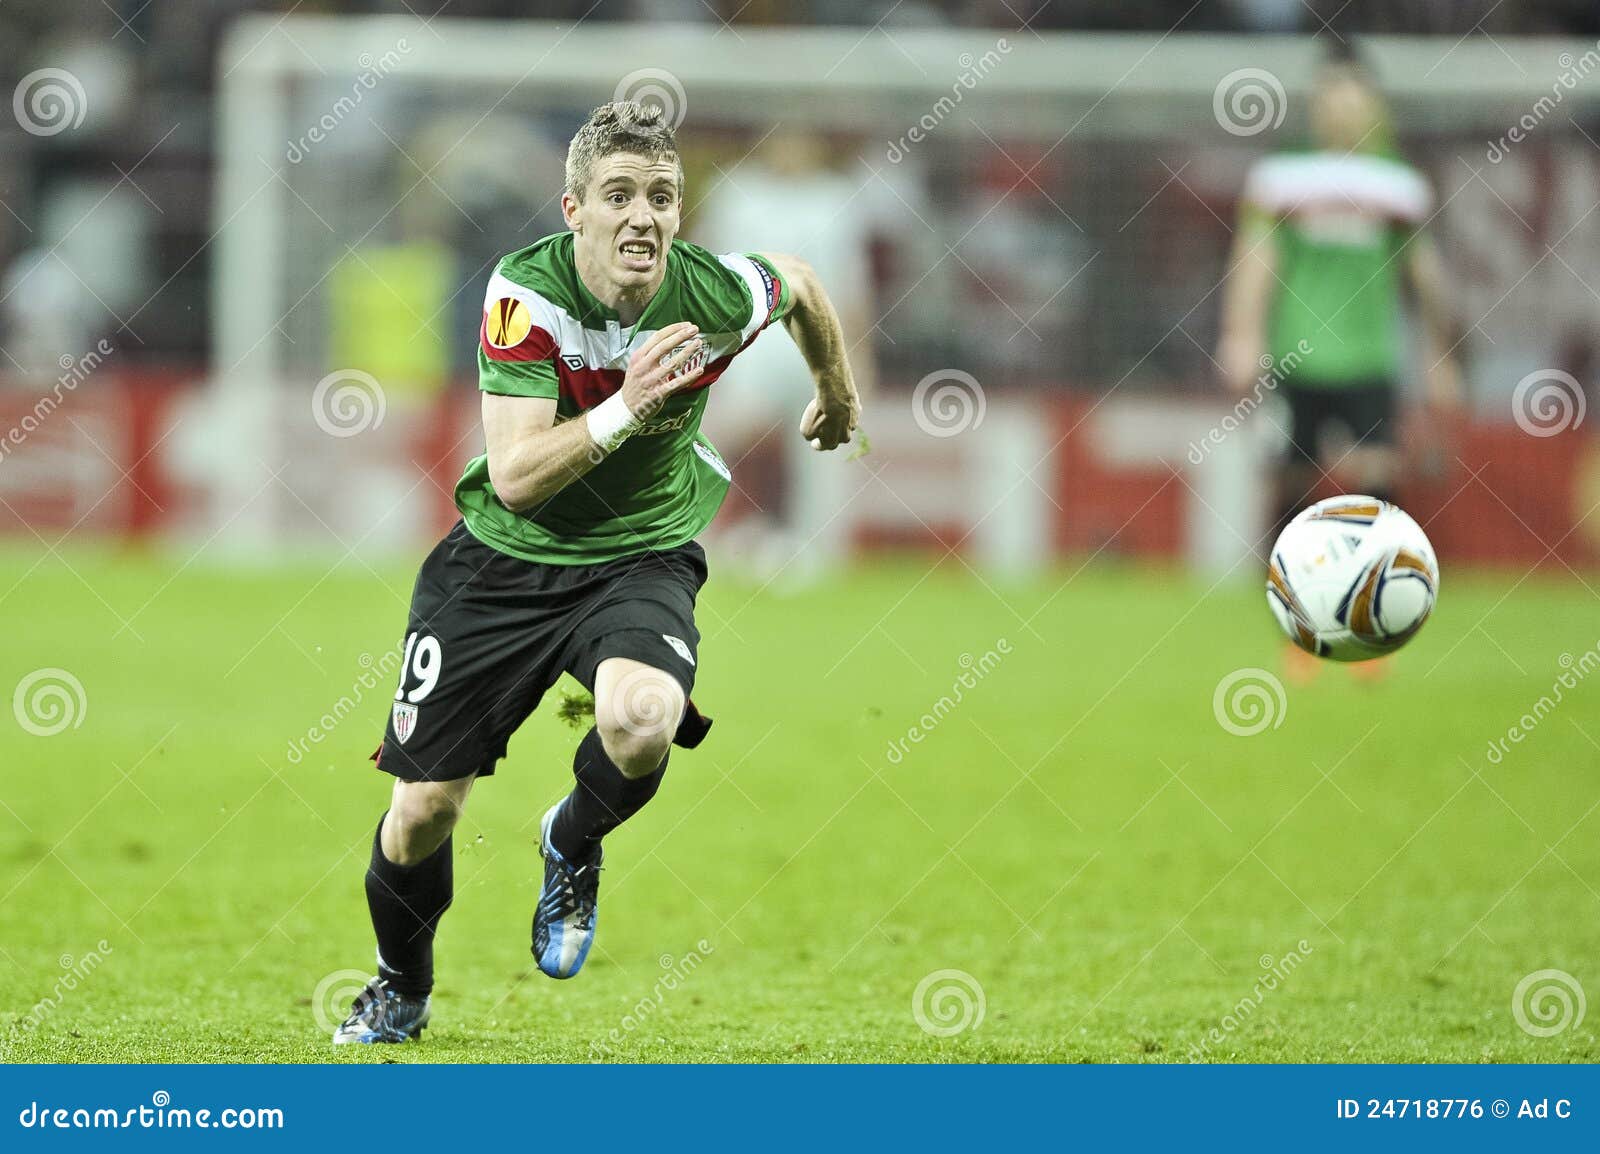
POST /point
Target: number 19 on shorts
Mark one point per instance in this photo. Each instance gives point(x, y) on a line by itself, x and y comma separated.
point(422, 662)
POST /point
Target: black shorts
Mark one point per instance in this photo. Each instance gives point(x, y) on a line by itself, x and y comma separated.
point(1365, 411)
point(488, 633)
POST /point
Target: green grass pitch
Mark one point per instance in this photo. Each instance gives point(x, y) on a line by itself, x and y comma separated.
point(1117, 876)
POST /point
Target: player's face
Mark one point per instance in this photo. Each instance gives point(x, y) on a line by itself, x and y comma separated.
point(1345, 114)
point(628, 217)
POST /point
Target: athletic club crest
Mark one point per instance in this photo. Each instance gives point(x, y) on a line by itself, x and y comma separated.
point(405, 720)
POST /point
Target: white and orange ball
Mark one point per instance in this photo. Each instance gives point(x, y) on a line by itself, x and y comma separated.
point(1352, 578)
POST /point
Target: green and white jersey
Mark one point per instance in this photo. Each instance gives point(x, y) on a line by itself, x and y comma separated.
point(545, 335)
point(1341, 223)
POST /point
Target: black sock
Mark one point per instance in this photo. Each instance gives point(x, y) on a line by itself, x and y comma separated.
point(603, 799)
point(406, 903)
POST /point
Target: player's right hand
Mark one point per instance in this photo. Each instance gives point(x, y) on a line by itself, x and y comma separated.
point(672, 360)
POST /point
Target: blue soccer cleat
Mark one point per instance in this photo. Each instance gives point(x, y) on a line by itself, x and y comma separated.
point(381, 1014)
point(563, 923)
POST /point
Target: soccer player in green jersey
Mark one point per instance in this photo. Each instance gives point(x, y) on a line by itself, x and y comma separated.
point(1327, 241)
point(575, 552)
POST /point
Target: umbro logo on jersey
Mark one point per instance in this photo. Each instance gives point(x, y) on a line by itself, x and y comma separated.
point(678, 647)
point(573, 361)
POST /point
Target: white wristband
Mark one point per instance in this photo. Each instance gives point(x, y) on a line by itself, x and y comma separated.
point(611, 422)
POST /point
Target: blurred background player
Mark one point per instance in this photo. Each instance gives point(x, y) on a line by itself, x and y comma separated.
point(1327, 241)
point(787, 197)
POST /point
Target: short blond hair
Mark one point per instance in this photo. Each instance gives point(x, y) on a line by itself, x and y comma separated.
point(620, 126)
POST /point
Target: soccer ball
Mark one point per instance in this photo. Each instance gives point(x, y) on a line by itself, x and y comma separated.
point(1352, 578)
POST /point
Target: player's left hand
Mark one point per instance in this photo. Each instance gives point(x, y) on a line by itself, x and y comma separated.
point(828, 423)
